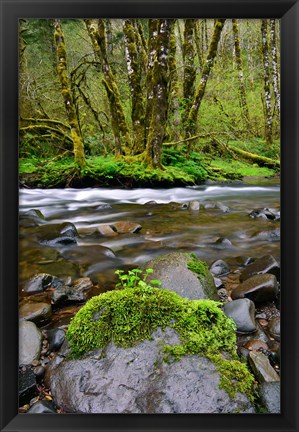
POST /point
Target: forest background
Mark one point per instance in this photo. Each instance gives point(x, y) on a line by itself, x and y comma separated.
point(140, 102)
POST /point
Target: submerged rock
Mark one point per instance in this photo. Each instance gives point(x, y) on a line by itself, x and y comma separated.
point(137, 380)
point(265, 214)
point(184, 274)
point(57, 234)
point(194, 206)
point(123, 227)
point(258, 288)
point(274, 328)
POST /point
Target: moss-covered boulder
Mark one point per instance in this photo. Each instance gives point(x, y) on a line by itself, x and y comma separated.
point(148, 350)
point(184, 274)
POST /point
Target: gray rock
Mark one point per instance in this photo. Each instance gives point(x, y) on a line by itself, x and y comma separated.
point(55, 338)
point(265, 214)
point(274, 328)
point(30, 341)
point(42, 407)
point(269, 235)
point(41, 282)
point(194, 205)
point(242, 312)
point(38, 313)
point(266, 264)
point(27, 385)
point(136, 380)
point(57, 234)
point(218, 282)
point(172, 270)
point(219, 267)
point(217, 205)
point(223, 242)
point(82, 284)
point(270, 396)
point(262, 368)
point(68, 294)
point(258, 288)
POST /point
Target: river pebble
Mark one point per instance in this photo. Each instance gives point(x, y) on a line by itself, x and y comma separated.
point(262, 367)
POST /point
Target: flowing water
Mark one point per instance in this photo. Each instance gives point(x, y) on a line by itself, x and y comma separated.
point(167, 225)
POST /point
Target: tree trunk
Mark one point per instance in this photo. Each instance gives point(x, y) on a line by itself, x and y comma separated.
point(134, 67)
point(242, 91)
point(159, 84)
point(174, 106)
point(267, 92)
point(193, 113)
point(199, 50)
point(67, 95)
point(189, 68)
point(118, 120)
point(275, 72)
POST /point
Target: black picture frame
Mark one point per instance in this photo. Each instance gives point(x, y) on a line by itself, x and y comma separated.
point(11, 11)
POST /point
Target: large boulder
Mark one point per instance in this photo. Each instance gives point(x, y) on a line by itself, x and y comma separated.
point(184, 274)
point(137, 380)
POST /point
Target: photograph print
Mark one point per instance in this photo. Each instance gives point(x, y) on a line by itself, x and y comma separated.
point(149, 216)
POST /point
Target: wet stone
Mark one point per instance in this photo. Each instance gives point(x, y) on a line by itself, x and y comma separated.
point(68, 294)
point(124, 227)
point(39, 371)
point(242, 312)
point(219, 267)
point(274, 328)
point(258, 288)
point(38, 313)
point(56, 338)
point(58, 234)
point(262, 367)
point(30, 341)
point(256, 345)
point(27, 385)
point(266, 264)
point(106, 230)
point(42, 407)
point(223, 242)
point(269, 235)
point(82, 284)
point(218, 282)
point(40, 282)
point(270, 396)
point(194, 206)
point(265, 214)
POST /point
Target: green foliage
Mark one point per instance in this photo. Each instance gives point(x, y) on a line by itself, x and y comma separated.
point(242, 169)
point(133, 280)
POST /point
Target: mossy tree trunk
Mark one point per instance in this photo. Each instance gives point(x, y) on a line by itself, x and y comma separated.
point(198, 44)
point(189, 68)
point(134, 67)
point(174, 119)
point(159, 86)
point(67, 95)
point(191, 125)
point(267, 91)
point(242, 91)
point(118, 121)
point(275, 69)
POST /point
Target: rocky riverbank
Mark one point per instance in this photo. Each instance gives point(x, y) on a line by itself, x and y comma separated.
point(247, 287)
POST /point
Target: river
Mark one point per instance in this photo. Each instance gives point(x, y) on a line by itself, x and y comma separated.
point(167, 225)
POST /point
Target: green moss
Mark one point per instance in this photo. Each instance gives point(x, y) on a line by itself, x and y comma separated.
point(128, 316)
point(197, 266)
